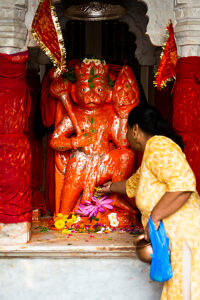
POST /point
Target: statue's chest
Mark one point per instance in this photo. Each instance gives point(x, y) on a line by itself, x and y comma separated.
point(93, 122)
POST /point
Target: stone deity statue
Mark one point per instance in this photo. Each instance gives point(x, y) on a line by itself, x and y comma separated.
point(92, 134)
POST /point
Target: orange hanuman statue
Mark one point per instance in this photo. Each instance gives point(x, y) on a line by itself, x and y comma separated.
point(90, 140)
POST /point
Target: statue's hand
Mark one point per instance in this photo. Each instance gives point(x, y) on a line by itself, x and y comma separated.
point(83, 140)
point(60, 87)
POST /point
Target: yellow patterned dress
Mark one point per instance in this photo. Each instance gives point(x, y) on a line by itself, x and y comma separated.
point(165, 168)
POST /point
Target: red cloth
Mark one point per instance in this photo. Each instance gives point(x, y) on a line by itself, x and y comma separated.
point(37, 199)
point(186, 109)
point(47, 32)
point(167, 68)
point(50, 177)
point(48, 103)
point(48, 112)
point(15, 154)
point(186, 97)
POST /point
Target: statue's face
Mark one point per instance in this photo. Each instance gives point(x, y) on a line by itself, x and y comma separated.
point(91, 94)
point(91, 89)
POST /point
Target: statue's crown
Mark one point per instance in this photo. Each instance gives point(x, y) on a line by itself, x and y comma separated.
point(91, 68)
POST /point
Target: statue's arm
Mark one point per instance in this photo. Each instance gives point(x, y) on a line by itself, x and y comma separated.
point(61, 139)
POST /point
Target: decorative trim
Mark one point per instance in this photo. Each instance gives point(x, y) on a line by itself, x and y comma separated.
point(167, 68)
point(46, 18)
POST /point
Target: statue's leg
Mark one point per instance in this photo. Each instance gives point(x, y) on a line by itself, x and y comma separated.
point(60, 170)
point(73, 184)
point(59, 181)
point(91, 178)
point(117, 165)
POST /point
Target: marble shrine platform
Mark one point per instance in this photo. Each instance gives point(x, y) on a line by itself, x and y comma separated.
point(81, 245)
point(90, 266)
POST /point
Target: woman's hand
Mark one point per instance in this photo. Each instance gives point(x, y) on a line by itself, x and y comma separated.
point(104, 189)
point(146, 230)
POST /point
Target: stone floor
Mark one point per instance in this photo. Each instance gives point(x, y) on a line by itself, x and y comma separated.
point(76, 266)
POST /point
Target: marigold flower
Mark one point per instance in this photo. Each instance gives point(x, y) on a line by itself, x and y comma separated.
point(59, 224)
point(70, 221)
point(59, 215)
point(69, 224)
point(74, 218)
point(65, 217)
point(66, 231)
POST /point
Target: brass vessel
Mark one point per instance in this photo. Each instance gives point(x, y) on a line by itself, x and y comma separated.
point(143, 249)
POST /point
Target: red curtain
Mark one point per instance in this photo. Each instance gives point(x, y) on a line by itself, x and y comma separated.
point(15, 154)
point(186, 110)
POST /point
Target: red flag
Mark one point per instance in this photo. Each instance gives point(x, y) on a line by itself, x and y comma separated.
point(47, 32)
point(167, 68)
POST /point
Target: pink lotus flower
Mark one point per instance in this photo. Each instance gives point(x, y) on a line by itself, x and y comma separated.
point(90, 209)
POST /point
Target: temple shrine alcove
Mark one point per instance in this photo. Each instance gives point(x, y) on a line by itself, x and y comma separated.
point(118, 45)
point(143, 58)
point(119, 42)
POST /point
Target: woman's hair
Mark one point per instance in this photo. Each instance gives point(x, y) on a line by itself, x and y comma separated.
point(151, 122)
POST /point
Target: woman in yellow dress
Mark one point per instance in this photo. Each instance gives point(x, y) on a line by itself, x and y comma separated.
point(165, 188)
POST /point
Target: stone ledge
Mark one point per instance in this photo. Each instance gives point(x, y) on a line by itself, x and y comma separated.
point(68, 254)
point(54, 244)
point(68, 249)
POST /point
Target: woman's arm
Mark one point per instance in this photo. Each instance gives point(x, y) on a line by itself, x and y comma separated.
point(112, 187)
point(169, 204)
point(118, 187)
point(126, 187)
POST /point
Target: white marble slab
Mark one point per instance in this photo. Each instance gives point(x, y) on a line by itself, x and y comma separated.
point(87, 267)
point(85, 279)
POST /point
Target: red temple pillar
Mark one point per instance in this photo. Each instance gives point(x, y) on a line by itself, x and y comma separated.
point(186, 109)
point(15, 153)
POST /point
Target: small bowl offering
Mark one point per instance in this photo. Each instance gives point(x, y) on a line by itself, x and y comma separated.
point(143, 249)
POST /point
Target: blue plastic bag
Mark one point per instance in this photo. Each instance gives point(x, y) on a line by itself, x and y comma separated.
point(160, 266)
